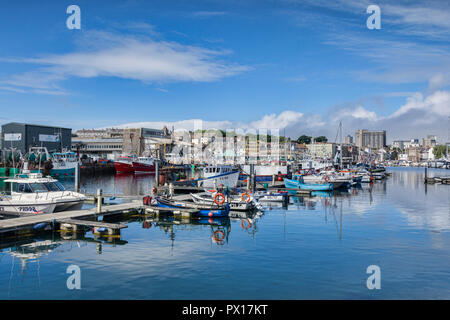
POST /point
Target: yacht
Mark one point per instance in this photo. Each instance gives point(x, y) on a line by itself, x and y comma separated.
point(31, 193)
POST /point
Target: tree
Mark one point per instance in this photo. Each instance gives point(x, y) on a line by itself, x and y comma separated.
point(304, 139)
point(321, 139)
point(439, 151)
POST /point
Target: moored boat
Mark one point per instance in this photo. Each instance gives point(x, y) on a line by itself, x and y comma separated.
point(32, 193)
point(124, 164)
point(144, 164)
point(203, 210)
point(298, 183)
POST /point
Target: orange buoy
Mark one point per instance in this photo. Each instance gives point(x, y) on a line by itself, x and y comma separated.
point(222, 199)
point(248, 198)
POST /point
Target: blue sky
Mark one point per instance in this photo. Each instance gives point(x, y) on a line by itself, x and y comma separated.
point(300, 66)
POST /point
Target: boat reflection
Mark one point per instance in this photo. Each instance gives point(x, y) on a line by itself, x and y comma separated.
point(220, 227)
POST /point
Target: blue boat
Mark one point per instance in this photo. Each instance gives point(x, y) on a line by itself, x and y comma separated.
point(298, 183)
point(203, 210)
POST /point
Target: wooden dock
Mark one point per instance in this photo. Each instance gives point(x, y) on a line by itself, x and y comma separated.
point(16, 224)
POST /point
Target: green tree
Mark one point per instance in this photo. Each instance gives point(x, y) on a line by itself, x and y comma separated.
point(439, 151)
point(321, 139)
point(304, 139)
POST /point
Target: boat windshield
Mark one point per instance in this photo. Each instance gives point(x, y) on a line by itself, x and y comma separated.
point(38, 187)
point(54, 186)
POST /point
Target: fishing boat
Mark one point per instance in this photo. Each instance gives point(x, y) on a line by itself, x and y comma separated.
point(298, 183)
point(217, 175)
point(144, 164)
point(64, 163)
point(124, 164)
point(35, 194)
point(204, 210)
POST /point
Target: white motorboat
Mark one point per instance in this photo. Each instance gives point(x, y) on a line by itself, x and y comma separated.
point(35, 194)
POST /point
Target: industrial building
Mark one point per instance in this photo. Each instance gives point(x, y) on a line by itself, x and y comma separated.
point(370, 139)
point(22, 136)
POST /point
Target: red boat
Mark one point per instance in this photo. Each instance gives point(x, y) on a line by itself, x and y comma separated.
point(124, 164)
point(144, 164)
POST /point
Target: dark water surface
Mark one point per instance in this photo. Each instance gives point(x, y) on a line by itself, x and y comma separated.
point(317, 248)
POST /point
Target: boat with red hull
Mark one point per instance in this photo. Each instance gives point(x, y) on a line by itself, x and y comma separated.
point(124, 164)
point(144, 164)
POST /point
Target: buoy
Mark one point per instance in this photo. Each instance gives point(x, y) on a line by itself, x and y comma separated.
point(210, 214)
point(222, 199)
point(219, 235)
point(247, 197)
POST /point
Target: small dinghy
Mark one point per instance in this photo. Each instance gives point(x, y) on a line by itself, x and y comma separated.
point(204, 210)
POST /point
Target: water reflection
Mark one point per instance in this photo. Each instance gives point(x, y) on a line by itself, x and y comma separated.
point(167, 257)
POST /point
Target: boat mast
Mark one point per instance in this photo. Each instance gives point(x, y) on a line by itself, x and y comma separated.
point(340, 128)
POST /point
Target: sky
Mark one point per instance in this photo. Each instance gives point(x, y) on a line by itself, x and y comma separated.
point(298, 66)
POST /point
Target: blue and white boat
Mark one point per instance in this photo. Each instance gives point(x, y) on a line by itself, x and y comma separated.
point(298, 183)
point(64, 164)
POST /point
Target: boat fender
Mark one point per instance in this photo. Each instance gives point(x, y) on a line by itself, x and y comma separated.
point(219, 202)
point(247, 197)
point(40, 226)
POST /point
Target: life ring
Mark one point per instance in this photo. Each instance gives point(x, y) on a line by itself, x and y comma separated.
point(248, 198)
point(219, 235)
point(249, 224)
point(154, 190)
point(327, 179)
point(219, 202)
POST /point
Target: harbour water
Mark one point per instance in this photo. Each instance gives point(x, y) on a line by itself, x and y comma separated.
point(317, 248)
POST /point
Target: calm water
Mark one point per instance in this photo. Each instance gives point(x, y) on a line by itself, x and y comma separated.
point(317, 248)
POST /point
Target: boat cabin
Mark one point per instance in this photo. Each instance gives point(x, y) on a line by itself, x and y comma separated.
point(34, 184)
point(65, 156)
point(210, 171)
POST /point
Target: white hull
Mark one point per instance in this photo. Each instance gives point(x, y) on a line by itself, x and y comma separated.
point(26, 209)
point(226, 180)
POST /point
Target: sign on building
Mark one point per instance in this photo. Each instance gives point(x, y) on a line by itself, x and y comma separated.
point(48, 138)
point(13, 136)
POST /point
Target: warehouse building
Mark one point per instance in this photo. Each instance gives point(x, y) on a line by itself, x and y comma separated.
point(22, 136)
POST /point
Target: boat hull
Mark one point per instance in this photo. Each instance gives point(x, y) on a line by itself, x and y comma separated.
point(314, 187)
point(143, 167)
point(123, 166)
point(203, 211)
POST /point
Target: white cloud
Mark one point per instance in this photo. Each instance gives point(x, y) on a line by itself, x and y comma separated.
point(128, 57)
point(418, 116)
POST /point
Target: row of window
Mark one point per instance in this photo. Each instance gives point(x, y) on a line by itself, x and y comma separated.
point(103, 146)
